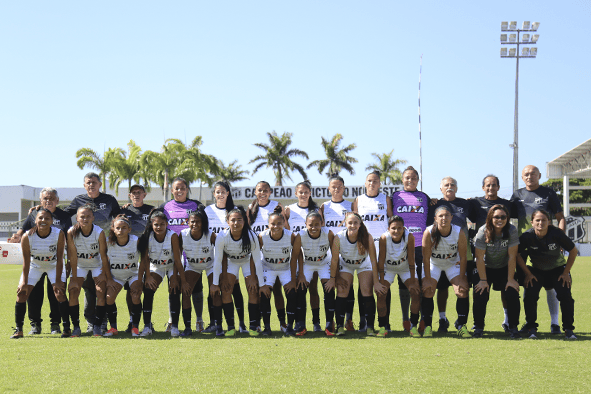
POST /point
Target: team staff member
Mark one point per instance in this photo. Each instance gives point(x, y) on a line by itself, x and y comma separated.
point(444, 250)
point(496, 246)
point(49, 200)
point(43, 252)
point(374, 208)
point(542, 244)
point(460, 210)
point(525, 202)
point(412, 206)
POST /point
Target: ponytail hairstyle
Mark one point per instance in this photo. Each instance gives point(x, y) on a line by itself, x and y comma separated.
point(545, 213)
point(229, 199)
point(278, 211)
point(362, 235)
point(336, 176)
point(375, 172)
point(34, 229)
point(144, 240)
point(312, 206)
point(77, 229)
point(200, 213)
point(412, 169)
point(315, 214)
point(112, 237)
point(436, 233)
point(489, 230)
point(253, 211)
point(245, 236)
point(396, 218)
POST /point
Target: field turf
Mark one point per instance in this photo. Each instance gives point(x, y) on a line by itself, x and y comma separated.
point(314, 363)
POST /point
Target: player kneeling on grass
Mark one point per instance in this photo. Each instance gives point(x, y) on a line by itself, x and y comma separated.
point(240, 246)
point(161, 256)
point(125, 269)
point(444, 250)
point(315, 258)
point(353, 250)
point(397, 257)
point(87, 252)
point(543, 244)
point(198, 245)
point(496, 246)
point(43, 252)
point(280, 249)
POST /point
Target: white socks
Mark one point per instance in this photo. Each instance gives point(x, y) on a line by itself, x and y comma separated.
point(553, 306)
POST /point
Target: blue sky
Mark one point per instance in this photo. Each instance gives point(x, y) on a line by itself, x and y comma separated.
point(95, 75)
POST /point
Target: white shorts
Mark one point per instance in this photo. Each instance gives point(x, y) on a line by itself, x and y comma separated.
point(323, 271)
point(83, 272)
point(234, 269)
point(404, 276)
point(450, 272)
point(208, 269)
point(129, 280)
point(162, 271)
point(270, 276)
point(350, 268)
point(36, 273)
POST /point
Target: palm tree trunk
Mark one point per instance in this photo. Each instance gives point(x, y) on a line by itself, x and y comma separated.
point(165, 185)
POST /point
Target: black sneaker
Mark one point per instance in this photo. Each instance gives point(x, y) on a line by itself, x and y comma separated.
point(209, 329)
point(555, 329)
point(443, 325)
point(289, 332)
point(219, 332)
point(187, 332)
point(532, 333)
point(35, 329)
point(514, 333)
point(477, 333)
point(67, 333)
point(55, 329)
point(569, 334)
point(267, 332)
point(524, 330)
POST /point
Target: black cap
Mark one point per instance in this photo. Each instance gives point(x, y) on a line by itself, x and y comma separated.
point(137, 185)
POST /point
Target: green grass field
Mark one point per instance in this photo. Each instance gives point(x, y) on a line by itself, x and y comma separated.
point(314, 363)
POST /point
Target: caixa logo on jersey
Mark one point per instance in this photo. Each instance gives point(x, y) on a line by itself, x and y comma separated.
point(52, 248)
point(575, 228)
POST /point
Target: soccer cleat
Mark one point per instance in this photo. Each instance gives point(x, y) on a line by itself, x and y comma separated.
point(18, 333)
point(302, 332)
point(349, 326)
point(506, 328)
point(211, 328)
point(167, 326)
point(174, 332)
point(328, 332)
point(362, 326)
point(463, 332)
point(35, 329)
point(382, 333)
point(146, 332)
point(199, 326)
point(514, 333)
point(428, 332)
point(135, 332)
point(370, 332)
point(55, 329)
point(283, 327)
point(219, 332)
point(67, 333)
point(111, 333)
point(555, 329)
point(254, 332)
point(89, 327)
point(414, 332)
point(317, 327)
point(187, 332)
point(242, 328)
point(230, 333)
point(569, 334)
point(340, 331)
point(443, 325)
point(406, 325)
point(478, 332)
point(76, 332)
point(266, 332)
point(97, 332)
point(129, 327)
point(330, 326)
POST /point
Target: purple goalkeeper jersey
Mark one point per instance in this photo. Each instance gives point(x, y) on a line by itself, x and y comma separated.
point(178, 213)
point(413, 207)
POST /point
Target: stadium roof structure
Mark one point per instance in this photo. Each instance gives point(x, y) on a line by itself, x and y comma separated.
point(576, 163)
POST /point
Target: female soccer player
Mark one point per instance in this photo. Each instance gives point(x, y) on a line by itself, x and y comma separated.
point(258, 218)
point(315, 263)
point(295, 215)
point(496, 246)
point(216, 215)
point(241, 248)
point(396, 257)
point(353, 250)
point(43, 252)
point(87, 252)
point(177, 213)
point(125, 269)
point(444, 250)
point(161, 256)
point(543, 243)
point(375, 209)
point(280, 249)
point(197, 245)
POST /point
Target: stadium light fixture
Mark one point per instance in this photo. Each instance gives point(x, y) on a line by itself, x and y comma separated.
point(533, 52)
point(512, 52)
point(512, 37)
point(513, 25)
point(503, 52)
point(503, 38)
point(524, 52)
point(525, 38)
point(504, 26)
point(535, 37)
point(534, 26)
point(525, 25)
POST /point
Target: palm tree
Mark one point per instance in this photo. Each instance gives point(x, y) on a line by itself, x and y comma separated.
point(89, 158)
point(387, 167)
point(233, 172)
point(279, 158)
point(203, 166)
point(336, 159)
point(125, 165)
